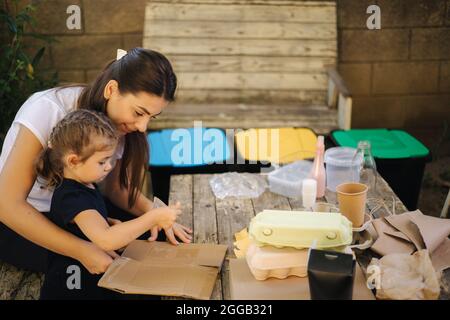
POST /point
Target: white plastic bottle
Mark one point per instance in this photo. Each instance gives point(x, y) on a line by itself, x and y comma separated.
point(309, 192)
point(318, 168)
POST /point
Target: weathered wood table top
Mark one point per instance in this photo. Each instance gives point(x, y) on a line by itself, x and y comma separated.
point(216, 221)
point(213, 221)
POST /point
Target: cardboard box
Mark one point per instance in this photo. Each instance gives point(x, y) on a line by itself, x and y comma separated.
point(160, 268)
point(244, 286)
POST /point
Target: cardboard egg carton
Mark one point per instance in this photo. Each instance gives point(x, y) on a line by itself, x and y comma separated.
point(300, 229)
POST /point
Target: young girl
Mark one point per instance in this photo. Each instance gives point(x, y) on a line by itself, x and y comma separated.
point(131, 90)
point(79, 154)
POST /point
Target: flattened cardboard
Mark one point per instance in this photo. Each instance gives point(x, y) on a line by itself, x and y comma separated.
point(389, 240)
point(159, 268)
point(410, 231)
point(433, 230)
point(244, 286)
point(441, 256)
point(403, 223)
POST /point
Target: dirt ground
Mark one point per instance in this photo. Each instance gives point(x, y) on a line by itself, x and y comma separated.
point(436, 178)
point(435, 186)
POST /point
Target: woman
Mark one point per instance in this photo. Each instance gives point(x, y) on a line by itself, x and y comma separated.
point(130, 91)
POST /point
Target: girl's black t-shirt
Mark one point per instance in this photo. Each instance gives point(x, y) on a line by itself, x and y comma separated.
point(69, 199)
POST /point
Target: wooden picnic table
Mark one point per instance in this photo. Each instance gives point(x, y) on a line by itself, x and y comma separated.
point(216, 221)
point(213, 221)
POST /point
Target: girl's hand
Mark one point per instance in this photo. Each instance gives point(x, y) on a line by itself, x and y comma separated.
point(165, 217)
point(182, 232)
point(94, 259)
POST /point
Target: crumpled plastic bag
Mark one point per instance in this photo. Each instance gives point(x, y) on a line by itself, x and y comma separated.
point(158, 203)
point(239, 185)
point(406, 277)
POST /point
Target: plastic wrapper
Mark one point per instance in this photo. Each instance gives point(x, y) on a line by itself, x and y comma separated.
point(405, 277)
point(158, 203)
point(239, 185)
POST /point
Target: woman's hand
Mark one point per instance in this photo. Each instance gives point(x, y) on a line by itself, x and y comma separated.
point(94, 259)
point(182, 232)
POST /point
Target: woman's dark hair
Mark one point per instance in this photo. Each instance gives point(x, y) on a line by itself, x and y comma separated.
point(82, 132)
point(139, 70)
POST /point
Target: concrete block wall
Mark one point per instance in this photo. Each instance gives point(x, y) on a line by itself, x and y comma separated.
point(399, 75)
point(78, 55)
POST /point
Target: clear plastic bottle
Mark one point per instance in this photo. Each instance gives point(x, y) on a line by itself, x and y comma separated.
point(318, 168)
point(368, 171)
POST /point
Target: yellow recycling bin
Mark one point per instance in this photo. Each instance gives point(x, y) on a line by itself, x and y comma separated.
point(276, 145)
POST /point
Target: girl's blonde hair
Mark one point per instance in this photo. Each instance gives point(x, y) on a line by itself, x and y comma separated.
point(78, 132)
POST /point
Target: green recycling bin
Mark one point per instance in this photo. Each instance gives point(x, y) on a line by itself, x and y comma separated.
point(400, 158)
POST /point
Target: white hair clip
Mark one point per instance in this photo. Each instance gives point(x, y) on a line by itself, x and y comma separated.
point(120, 54)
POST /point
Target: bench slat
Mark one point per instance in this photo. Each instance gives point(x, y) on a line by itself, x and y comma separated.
point(292, 11)
point(260, 47)
point(17, 284)
point(240, 30)
point(259, 81)
point(207, 63)
point(320, 118)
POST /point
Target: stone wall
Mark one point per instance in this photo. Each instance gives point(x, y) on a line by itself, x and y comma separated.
point(399, 75)
point(78, 55)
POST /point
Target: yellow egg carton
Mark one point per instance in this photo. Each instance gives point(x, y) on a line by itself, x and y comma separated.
point(270, 262)
point(300, 229)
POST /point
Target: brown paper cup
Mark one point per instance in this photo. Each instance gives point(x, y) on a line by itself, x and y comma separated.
point(352, 201)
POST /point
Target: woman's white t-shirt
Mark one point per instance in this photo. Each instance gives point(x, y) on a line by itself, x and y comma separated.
point(40, 113)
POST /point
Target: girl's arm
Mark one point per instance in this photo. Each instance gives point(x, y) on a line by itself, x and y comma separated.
point(109, 238)
point(16, 180)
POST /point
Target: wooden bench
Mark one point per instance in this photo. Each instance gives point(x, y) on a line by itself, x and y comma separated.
point(248, 64)
point(18, 284)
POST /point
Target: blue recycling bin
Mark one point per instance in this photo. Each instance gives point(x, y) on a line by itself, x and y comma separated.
point(186, 151)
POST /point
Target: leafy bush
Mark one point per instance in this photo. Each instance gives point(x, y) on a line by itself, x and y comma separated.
point(19, 77)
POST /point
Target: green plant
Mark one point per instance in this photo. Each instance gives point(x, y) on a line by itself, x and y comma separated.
point(19, 77)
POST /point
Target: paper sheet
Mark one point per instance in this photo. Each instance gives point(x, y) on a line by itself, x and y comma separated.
point(411, 231)
point(242, 243)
